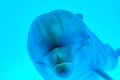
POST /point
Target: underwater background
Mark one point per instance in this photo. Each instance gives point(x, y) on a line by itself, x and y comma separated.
point(102, 17)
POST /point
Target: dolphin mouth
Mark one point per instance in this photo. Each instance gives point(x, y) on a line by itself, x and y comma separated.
point(59, 61)
point(60, 68)
point(63, 70)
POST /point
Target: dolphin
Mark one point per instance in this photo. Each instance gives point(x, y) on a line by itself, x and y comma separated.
point(62, 47)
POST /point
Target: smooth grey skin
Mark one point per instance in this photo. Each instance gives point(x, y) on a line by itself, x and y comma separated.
point(63, 48)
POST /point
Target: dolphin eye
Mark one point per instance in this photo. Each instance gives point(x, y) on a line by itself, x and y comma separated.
point(88, 36)
point(80, 16)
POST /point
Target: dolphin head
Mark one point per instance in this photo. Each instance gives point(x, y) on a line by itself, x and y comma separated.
point(56, 44)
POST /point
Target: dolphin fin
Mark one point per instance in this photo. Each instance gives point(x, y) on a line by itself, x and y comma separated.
point(102, 73)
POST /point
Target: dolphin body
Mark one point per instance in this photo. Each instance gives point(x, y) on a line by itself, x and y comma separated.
point(61, 47)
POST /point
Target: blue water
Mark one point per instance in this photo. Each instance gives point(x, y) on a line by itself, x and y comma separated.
point(102, 17)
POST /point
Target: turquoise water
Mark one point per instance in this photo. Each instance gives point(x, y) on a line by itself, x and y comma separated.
point(102, 17)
